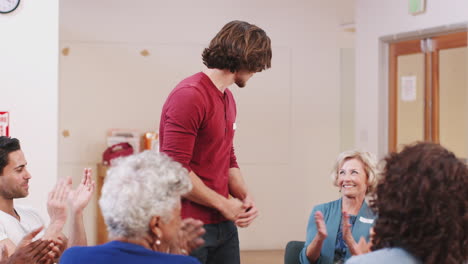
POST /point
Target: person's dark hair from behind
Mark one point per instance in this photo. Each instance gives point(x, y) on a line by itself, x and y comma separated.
point(7, 145)
point(239, 46)
point(422, 203)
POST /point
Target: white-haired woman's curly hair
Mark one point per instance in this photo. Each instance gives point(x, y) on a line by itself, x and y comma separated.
point(139, 187)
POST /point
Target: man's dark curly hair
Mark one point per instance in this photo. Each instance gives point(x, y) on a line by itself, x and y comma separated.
point(239, 46)
point(7, 145)
point(422, 204)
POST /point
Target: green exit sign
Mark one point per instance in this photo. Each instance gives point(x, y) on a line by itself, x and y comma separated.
point(417, 6)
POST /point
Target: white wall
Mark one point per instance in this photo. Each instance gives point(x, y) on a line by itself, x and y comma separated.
point(347, 98)
point(288, 116)
point(374, 19)
point(29, 89)
point(346, 9)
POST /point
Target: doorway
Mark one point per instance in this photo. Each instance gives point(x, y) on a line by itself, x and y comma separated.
point(428, 92)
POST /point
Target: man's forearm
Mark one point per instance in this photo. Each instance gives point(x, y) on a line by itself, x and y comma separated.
point(78, 233)
point(54, 229)
point(237, 186)
point(203, 195)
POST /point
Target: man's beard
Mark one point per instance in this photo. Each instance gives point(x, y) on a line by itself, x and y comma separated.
point(239, 82)
point(12, 194)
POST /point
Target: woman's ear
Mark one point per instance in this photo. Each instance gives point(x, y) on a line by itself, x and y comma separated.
point(154, 226)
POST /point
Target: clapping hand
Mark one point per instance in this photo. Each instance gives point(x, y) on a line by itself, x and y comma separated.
point(190, 234)
point(359, 248)
point(57, 207)
point(80, 197)
point(321, 227)
point(40, 251)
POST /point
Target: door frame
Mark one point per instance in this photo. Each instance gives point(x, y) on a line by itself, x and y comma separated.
point(387, 97)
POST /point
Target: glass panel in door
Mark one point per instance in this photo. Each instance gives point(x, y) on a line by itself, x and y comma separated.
point(410, 99)
point(453, 100)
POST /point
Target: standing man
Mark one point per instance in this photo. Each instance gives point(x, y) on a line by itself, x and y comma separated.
point(197, 128)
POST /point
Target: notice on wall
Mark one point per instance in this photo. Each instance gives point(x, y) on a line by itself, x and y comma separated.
point(408, 88)
point(4, 124)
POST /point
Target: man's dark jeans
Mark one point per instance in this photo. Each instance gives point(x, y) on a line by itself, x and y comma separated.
point(221, 244)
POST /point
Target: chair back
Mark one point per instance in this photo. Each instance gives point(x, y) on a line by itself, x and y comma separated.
point(293, 249)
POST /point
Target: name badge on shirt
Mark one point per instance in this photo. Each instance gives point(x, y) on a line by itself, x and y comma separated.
point(234, 126)
point(366, 220)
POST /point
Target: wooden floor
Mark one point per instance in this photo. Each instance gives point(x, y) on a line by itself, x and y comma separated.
point(262, 257)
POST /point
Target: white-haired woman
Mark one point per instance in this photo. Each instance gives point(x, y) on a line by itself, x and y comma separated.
point(140, 204)
point(334, 227)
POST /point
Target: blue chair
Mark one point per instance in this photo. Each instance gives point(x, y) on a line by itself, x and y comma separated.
point(293, 249)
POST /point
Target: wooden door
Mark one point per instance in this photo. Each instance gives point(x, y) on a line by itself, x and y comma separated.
point(428, 98)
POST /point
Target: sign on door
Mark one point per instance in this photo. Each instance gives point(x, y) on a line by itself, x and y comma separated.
point(4, 124)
